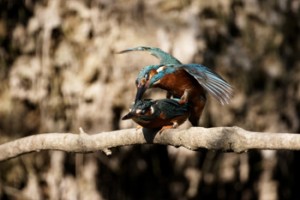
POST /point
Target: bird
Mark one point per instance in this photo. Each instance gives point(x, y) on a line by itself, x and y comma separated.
point(189, 82)
point(158, 114)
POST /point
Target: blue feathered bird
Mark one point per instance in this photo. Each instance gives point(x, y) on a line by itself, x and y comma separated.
point(162, 113)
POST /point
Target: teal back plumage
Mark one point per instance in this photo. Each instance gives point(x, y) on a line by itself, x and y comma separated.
point(169, 107)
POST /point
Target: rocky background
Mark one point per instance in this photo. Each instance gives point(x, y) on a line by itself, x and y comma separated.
point(59, 71)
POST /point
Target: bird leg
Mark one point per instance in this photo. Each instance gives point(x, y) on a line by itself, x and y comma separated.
point(185, 97)
point(165, 128)
point(174, 125)
point(169, 95)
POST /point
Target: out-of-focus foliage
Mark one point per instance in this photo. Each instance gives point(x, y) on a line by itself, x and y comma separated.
point(59, 71)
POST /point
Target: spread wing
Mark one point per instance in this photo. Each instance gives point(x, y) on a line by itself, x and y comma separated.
point(171, 108)
point(210, 81)
point(164, 57)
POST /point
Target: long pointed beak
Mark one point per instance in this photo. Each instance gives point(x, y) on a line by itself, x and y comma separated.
point(128, 116)
point(141, 89)
point(134, 49)
point(124, 51)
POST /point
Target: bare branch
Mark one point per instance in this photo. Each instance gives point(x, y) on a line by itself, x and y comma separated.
point(221, 138)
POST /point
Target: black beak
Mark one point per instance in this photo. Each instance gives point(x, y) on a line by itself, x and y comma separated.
point(124, 51)
point(135, 49)
point(128, 116)
point(140, 91)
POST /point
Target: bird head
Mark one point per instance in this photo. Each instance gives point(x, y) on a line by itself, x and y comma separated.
point(142, 109)
point(148, 77)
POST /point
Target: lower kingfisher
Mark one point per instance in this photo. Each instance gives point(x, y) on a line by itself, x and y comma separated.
point(189, 82)
point(163, 113)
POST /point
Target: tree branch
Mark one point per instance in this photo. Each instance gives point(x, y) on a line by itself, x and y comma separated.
point(221, 138)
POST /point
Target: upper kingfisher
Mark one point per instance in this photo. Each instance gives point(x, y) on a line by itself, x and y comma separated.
point(163, 113)
point(189, 82)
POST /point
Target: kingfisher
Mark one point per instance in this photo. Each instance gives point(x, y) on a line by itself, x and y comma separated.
point(162, 113)
point(188, 82)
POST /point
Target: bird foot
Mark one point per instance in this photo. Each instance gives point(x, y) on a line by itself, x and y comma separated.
point(165, 128)
point(182, 101)
point(169, 95)
point(174, 125)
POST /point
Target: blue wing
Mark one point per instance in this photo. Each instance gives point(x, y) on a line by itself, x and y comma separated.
point(164, 57)
point(210, 81)
point(171, 108)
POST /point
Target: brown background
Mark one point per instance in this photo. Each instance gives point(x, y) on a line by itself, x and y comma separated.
point(59, 71)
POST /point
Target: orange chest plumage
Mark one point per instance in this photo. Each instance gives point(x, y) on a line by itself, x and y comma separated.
point(179, 81)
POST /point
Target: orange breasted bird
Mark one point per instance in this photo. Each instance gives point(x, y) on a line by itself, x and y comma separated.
point(163, 113)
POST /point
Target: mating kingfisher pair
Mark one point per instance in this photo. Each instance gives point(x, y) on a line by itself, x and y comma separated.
point(188, 84)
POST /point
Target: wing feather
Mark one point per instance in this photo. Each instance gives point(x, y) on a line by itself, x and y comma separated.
point(210, 81)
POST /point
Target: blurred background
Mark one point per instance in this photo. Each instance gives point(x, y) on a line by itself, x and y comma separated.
point(59, 71)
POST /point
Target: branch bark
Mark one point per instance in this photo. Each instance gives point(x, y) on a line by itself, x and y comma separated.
point(220, 138)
